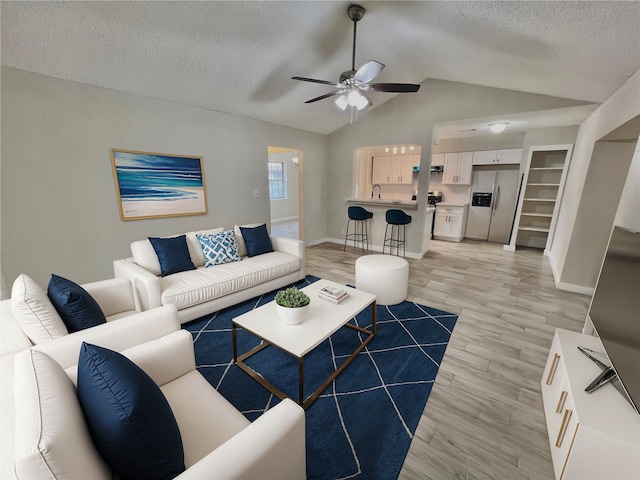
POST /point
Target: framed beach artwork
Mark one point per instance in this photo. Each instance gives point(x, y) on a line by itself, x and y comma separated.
point(152, 185)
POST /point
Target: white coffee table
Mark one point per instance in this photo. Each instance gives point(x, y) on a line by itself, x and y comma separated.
point(323, 320)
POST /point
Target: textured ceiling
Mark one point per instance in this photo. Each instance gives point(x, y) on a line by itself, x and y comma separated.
point(238, 57)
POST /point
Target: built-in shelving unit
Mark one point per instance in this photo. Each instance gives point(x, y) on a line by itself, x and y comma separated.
point(540, 196)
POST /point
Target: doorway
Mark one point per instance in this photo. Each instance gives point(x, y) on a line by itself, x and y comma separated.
point(285, 191)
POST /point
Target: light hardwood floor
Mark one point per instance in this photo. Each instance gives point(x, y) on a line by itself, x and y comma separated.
point(484, 417)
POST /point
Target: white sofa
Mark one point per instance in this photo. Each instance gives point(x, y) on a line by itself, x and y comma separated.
point(52, 439)
point(115, 298)
point(196, 293)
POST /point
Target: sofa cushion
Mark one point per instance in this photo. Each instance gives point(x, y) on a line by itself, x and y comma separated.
point(129, 418)
point(51, 438)
point(34, 312)
point(173, 254)
point(219, 248)
point(76, 307)
point(257, 240)
point(187, 289)
point(242, 248)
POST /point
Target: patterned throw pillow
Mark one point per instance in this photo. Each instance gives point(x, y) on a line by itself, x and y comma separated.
point(219, 248)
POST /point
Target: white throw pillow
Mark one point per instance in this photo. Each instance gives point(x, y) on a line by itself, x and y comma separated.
point(34, 312)
point(242, 247)
point(145, 256)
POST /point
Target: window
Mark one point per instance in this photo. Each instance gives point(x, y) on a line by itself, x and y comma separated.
point(277, 181)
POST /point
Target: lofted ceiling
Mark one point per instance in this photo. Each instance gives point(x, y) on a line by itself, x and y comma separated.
point(239, 57)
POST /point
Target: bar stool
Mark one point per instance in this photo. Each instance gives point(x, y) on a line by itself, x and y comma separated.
point(395, 220)
point(360, 216)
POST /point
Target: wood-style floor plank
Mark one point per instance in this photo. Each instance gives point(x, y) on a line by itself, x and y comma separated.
point(484, 418)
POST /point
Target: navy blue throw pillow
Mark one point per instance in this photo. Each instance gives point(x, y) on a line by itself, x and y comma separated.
point(257, 240)
point(73, 303)
point(128, 416)
point(173, 254)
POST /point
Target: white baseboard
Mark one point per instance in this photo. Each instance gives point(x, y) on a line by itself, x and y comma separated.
point(568, 287)
point(284, 219)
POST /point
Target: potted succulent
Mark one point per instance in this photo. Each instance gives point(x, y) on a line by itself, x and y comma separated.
point(292, 305)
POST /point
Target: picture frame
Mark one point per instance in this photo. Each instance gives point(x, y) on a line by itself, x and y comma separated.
point(156, 185)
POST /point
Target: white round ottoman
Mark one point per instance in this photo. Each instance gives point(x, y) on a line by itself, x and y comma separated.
point(386, 276)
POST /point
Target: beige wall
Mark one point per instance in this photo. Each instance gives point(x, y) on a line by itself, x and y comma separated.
point(578, 230)
point(472, 144)
point(59, 208)
point(409, 119)
point(628, 213)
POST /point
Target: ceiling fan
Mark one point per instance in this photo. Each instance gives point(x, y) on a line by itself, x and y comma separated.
point(353, 83)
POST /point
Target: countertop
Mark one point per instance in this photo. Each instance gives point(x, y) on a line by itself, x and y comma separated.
point(452, 204)
point(409, 204)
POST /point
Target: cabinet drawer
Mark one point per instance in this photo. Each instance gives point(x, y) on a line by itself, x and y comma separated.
point(450, 210)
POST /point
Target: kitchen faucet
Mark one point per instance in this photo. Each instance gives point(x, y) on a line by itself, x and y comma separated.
point(373, 189)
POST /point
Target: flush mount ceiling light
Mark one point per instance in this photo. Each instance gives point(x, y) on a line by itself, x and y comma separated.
point(498, 126)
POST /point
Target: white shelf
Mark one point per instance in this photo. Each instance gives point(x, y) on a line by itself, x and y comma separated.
point(534, 229)
point(543, 183)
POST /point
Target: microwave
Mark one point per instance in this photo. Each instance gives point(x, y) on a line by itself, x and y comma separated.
point(437, 169)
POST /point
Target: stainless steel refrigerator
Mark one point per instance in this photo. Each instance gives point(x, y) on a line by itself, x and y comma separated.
point(494, 195)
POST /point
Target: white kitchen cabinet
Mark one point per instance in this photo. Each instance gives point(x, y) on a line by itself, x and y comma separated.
point(450, 222)
point(381, 170)
point(406, 169)
point(388, 169)
point(502, 157)
point(592, 436)
point(457, 168)
point(437, 159)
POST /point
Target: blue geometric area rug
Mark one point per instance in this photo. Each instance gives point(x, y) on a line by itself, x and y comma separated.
point(362, 425)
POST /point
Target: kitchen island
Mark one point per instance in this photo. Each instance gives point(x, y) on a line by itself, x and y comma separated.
point(417, 246)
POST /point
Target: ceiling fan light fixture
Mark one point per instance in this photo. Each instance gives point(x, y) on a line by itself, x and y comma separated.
point(354, 98)
point(363, 102)
point(498, 126)
point(342, 102)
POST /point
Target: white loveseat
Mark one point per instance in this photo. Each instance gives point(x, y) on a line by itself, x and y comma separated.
point(196, 293)
point(53, 441)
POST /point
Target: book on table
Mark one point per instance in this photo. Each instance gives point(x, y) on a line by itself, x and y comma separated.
point(333, 294)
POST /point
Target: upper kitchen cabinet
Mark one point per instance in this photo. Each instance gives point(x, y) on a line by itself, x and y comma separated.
point(502, 157)
point(457, 168)
point(398, 170)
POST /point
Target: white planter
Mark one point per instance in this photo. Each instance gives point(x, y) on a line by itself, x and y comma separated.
point(292, 316)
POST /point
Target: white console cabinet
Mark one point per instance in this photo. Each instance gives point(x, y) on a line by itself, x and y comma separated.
point(592, 436)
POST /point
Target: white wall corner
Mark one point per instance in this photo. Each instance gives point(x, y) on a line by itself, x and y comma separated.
point(568, 287)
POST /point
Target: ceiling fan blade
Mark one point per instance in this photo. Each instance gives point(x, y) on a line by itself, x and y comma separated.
point(394, 87)
point(324, 82)
point(322, 97)
point(368, 71)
